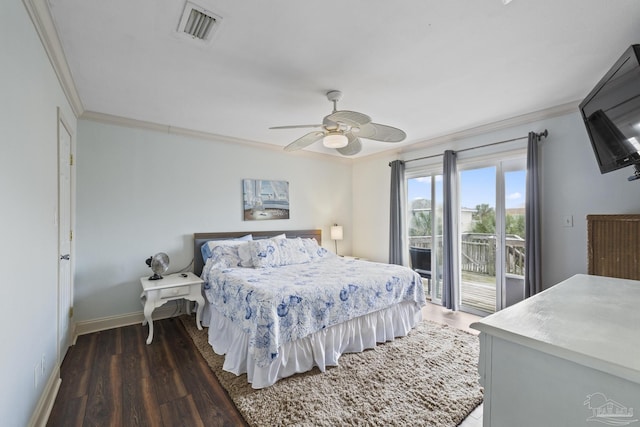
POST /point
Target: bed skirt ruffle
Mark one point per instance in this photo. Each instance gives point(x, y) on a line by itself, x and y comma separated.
point(320, 349)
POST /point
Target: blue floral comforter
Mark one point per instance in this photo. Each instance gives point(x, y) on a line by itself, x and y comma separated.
point(279, 305)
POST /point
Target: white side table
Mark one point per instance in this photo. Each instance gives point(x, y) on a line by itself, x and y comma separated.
point(156, 293)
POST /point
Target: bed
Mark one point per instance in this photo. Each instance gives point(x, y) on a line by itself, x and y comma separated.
point(280, 304)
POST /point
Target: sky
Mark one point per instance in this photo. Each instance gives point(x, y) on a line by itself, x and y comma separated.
point(477, 186)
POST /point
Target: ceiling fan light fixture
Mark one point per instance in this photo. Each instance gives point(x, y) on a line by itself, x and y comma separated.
point(335, 140)
point(342, 130)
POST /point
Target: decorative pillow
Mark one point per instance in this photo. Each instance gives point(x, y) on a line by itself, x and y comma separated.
point(314, 250)
point(278, 252)
point(225, 256)
point(207, 248)
point(263, 253)
point(244, 252)
point(292, 251)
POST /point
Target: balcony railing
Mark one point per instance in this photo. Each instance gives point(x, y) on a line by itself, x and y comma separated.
point(478, 268)
point(479, 252)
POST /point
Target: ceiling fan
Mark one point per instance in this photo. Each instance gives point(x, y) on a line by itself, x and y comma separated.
point(343, 129)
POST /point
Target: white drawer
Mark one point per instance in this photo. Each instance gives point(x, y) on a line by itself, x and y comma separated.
point(174, 292)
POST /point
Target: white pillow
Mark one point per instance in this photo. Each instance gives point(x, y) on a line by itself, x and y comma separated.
point(314, 250)
point(277, 252)
point(225, 256)
point(244, 252)
point(207, 248)
point(292, 251)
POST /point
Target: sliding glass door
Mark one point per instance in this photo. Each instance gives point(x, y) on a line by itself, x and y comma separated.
point(424, 230)
point(515, 175)
point(478, 240)
point(492, 207)
point(491, 197)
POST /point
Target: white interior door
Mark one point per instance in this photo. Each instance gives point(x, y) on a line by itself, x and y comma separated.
point(65, 285)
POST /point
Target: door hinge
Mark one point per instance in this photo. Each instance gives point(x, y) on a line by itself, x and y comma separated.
point(70, 159)
point(70, 235)
point(70, 312)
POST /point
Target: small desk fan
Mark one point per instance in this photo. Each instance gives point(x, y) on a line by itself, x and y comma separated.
point(159, 264)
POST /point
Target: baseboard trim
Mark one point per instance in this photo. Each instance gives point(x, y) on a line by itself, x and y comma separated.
point(47, 399)
point(111, 322)
point(45, 404)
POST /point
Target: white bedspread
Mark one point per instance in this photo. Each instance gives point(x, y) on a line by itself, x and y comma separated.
point(273, 322)
point(320, 349)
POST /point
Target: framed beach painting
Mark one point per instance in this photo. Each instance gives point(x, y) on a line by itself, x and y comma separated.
point(264, 199)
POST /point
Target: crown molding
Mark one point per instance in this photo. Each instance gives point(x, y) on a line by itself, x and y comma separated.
point(547, 113)
point(141, 124)
point(43, 22)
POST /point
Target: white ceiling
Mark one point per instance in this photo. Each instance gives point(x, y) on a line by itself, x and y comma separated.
point(429, 67)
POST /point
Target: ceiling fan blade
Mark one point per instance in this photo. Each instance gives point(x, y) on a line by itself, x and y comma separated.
point(304, 141)
point(353, 147)
point(382, 133)
point(296, 127)
point(351, 118)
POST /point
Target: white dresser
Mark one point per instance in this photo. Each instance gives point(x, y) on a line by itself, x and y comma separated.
point(568, 356)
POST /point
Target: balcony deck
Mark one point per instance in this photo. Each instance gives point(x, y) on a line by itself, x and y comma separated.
point(479, 296)
point(477, 292)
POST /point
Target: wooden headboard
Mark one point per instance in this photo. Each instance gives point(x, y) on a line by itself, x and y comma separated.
point(199, 239)
point(613, 243)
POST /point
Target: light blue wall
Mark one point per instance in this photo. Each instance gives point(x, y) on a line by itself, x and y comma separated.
point(141, 192)
point(30, 95)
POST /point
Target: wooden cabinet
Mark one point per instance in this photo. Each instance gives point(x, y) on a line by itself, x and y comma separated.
point(613, 243)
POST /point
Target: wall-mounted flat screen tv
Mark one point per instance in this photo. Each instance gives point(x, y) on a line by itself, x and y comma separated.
point(611, 113)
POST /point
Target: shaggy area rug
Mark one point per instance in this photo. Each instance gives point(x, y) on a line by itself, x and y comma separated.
point(428, 378)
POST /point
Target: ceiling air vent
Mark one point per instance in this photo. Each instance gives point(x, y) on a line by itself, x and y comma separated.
point(198, 23)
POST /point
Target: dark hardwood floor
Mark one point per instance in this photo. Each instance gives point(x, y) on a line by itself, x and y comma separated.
point(113, 378)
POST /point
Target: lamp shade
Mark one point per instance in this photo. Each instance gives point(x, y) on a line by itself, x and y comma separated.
point(335, 140)
point(336, 232)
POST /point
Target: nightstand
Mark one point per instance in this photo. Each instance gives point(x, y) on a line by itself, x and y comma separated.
point(156, 293)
